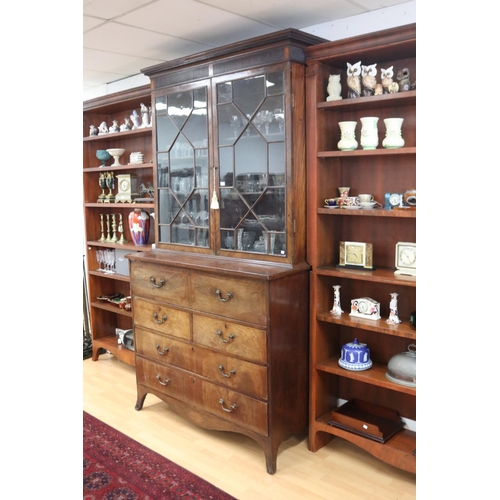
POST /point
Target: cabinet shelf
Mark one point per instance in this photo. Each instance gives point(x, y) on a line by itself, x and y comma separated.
point(404, 330)
point(367, 152)
point(373, 102)
point(399, 451)
point(374, 212)
point(115, 276)
point(119, 205)
point(119, 136)
point(374, 376)
point(118, 168)
point(126, 246)
point(110, 344)
point(108, 307)
point(385, 276)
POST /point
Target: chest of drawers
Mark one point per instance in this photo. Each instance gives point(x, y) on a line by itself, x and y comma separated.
point(224, 343)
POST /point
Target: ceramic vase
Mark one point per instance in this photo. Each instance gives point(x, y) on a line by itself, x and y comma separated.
point(138, 222)
point(369, 132)
point(393, 134)
point(348, 140)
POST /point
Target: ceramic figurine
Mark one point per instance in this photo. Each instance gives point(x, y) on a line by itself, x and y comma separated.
point(125, 125)
point(103, 128)
point(403, 78)
point(135, 120)
point(145, 115)
point(114, 127)
point(93, 131)
point(368, 80)
point(379, 90)
point(334, 88)
point(393, 306)
point(386, 78)
point(336, 309)
point(354, 80)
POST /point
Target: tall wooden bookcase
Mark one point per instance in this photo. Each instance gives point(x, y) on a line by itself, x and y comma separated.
point(106, 317)
point(378, 172)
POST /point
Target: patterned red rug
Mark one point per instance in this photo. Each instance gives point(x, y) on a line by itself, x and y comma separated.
point(116, 467)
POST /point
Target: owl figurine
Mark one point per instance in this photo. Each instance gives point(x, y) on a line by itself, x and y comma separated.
point(334, 88)
point(386, 78)
point(403, 78)
point(368, 79)
point(354, 80)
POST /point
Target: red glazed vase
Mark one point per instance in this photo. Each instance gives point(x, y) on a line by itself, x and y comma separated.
point(138, 223)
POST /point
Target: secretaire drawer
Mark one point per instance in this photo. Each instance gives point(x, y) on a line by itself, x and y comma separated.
point(249, 378)
point(161, 318)
point(231, 338)
point(242, 299)
point(163, 283)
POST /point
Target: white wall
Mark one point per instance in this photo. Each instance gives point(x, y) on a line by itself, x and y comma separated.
point(389, 17)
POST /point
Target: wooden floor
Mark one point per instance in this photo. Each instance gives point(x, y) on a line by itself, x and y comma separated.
point(233, 462)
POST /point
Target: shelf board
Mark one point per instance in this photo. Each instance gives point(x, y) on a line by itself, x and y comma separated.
point(126, 246)
point(111, 308)
point(119, 135)
point(119, 205)
point(374, 376)
point(371, 102)
point(382, 275)
point(119, 168)
point(374, 212)
point(367, 152)
point(399, 451)
point(115, 276)
point(404, 330)
point(110, 344)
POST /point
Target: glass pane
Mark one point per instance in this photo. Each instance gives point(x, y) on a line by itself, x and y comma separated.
point(232, 208)
point(275, 83)
point(201, 159)
point(224, 93)
point(231, 123)
point(270, 210)
point(249, 93)
point(180, 106)
point(277, 163)
point(250, 156)
point(166, 132)
point(169, 207)
point(226, 164)
point(161, 104)
point(195, 128)
point(162, 169)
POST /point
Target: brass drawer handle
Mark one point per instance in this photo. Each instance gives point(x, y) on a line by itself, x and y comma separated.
point(228, 375)
point(229, 410)
point(230, 295)
point(231, 337)
point(167, 380)
point(161, 352)
point(157, 285)
point(159, 321)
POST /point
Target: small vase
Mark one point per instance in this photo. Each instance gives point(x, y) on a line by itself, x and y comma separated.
point(393, 134)
point(369, 132)
point(348, 140)
point(138, 223)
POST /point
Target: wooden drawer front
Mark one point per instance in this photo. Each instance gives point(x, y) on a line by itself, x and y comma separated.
point(163, 378)
point(235, 373)
point(161, 318)
point(161, 283)
point(249, 413)
point(230, 337)
point(242, 299)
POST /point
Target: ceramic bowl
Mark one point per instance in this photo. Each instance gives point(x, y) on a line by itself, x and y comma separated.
point(355, 356)
point(402, 368)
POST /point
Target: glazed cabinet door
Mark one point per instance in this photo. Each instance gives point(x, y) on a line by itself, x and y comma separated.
point(182, 154)
point(252, 163)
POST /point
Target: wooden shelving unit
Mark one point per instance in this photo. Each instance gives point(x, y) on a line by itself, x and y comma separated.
point(105, 317)
point(377, 172)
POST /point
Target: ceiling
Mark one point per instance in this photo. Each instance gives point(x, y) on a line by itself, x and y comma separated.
point(121, 37)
